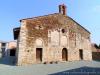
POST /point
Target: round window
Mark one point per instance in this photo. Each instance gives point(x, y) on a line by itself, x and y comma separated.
point(63, 30)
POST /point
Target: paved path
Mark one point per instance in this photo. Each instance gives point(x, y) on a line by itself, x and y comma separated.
point(47, 69)
point(80, 71)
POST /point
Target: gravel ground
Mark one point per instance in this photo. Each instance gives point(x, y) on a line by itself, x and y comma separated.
point(45, 69)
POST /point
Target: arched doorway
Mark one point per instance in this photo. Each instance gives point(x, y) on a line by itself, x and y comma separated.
point(39, 49)
point(13, 52)
point(64, 54)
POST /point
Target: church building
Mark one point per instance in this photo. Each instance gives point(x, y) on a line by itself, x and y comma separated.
point(52, 38)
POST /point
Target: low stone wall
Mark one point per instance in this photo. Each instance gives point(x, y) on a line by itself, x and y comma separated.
point(96, 55)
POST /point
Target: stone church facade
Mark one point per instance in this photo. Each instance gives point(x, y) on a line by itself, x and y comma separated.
point(52, 38)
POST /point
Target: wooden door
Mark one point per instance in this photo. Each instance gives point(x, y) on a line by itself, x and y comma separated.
point(39, 54)
point(64, 54)
point(81, 54)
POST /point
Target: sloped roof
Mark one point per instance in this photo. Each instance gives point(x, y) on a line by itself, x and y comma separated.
point(43, 18)
point(38, 17)
point(3, 41)
point(78, 24)
point(33, 18)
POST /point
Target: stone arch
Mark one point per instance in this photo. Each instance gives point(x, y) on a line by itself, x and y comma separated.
point(39, 50)
point(64, 54)
point(13, 52)
point(39, 42)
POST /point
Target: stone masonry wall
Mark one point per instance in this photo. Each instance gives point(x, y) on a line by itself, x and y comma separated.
point(47, 30)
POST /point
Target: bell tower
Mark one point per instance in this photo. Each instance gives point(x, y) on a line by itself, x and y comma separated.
point(62, 9)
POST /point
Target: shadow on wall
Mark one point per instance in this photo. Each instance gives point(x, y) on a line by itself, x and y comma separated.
point(10, 58)
point(8, 61)
point(80, 71)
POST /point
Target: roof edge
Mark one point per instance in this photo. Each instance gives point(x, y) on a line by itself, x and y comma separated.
point(79, 25)
point(54, 14)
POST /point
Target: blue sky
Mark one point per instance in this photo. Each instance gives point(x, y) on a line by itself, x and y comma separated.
point(85, 12)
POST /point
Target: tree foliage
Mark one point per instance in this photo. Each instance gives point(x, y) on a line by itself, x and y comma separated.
point(97, 46)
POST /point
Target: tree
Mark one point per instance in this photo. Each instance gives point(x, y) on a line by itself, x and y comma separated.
point(96, 46)
point(99, 46)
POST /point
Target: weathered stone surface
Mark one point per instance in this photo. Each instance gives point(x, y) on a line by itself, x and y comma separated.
point(52, 33)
